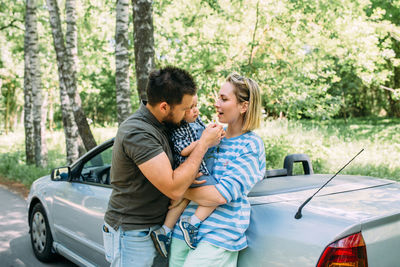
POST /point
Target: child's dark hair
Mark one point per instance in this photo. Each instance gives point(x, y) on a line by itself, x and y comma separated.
point(169, 84)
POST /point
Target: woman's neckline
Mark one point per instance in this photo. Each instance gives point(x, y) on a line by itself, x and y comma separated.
point(235, 137)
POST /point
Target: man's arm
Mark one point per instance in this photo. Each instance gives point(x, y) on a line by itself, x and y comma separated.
point(173, 183)
point(206, 195)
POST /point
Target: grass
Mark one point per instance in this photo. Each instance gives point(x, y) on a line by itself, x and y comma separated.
point(330, 144)
point(12, 154)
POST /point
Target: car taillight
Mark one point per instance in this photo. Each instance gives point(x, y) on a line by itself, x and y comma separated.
point(349, 251)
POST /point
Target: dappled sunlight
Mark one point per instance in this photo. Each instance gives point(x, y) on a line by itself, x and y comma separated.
point(103, 134)
point(13, 224)
point(331, 144)
point(7, 237)
point(55, 140)
point(12, 141)
point(13, 221)
point(15, 217)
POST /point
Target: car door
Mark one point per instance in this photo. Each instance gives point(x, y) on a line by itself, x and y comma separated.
point(79, 208)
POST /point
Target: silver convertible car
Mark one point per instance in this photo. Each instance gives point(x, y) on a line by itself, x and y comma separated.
point(352, 221)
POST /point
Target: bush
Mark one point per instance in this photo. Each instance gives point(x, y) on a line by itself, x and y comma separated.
point(329, 144)
point(13, 167)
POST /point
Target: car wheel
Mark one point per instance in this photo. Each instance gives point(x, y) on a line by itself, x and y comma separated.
point(41, 238)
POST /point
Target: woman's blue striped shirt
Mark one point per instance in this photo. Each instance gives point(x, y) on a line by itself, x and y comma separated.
point(239, 164)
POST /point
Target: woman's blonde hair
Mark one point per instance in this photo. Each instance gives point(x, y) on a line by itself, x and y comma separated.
point(247, 89)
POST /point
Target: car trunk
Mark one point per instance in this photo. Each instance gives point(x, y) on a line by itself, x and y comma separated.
point(347, 205)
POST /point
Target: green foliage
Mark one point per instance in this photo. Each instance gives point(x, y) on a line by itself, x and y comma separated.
point(276, 148)
point(9, 100)
point(12, 166)
point(330, 144)
point(12, 154)
point(11, 62)
point(96, 69)
point(100, 100)
point(312, 59)
point(375, 171)
point(386, 13)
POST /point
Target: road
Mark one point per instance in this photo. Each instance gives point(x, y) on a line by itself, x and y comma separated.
point(15, 246)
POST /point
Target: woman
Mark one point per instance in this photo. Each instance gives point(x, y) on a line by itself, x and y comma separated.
point(239, 164)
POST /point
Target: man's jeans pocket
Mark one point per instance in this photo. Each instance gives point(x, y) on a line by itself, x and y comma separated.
point(108, 242)
point(137, 235)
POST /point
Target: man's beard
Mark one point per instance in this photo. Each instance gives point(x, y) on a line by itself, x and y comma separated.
point(170, 124)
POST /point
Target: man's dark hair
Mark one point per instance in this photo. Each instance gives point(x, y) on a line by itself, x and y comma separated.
point(169, 84)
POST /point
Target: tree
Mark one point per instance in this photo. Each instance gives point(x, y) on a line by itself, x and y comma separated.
point(70, 127)
point(67, 72)
point(143, 36)
point(28, 108)
point(34, 127)
point(8, 98)
point(124, 107)
point(312, 59)
point(389, 11)
point(12, 31)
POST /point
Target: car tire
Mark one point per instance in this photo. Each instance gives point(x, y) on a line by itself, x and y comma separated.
point(41, 238)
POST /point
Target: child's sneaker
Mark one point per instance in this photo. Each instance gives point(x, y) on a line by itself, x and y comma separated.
point(161, 241)
point(189, 232)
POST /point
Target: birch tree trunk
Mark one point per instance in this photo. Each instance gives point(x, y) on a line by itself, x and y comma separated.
point(70, 127)
point(143, 36)
point(33, 94)
point(67, 72)
point(43, 120)
point(123, 93)
point(28, 109)
point(38, 130)
point(71, 37)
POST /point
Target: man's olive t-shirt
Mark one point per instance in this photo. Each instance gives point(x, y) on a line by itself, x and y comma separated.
point(135, 203)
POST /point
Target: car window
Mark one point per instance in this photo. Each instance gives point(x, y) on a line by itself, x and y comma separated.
point(97, 169)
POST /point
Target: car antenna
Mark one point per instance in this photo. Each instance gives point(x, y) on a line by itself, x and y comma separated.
point(298, 213)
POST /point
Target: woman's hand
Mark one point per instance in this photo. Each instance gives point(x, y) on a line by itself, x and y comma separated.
point(212, 135)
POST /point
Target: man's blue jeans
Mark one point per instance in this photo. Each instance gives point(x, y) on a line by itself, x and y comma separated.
point(129, 248)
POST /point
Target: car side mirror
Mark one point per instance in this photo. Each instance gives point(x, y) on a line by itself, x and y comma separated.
point(61, 174)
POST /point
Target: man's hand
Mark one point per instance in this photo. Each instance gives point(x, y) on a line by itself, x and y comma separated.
point(212, 135)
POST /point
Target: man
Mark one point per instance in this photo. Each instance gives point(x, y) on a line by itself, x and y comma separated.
point(142, 177)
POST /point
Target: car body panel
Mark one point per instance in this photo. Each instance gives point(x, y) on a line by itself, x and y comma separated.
point(347, 205)
point(282, 240)
point(85, 203)
point(75, 212)
point(382, 236)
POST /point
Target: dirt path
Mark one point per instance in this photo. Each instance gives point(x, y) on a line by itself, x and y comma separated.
point(15, 187)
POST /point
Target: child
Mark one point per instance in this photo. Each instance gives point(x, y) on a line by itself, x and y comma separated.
point(184, 139)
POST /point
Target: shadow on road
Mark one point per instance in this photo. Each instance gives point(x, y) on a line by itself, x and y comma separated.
point(20, 253)
point(15, 243)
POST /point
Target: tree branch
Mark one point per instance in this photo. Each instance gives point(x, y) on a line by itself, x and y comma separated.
point(254, 34)
point(387, 88)
point(11, 24)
